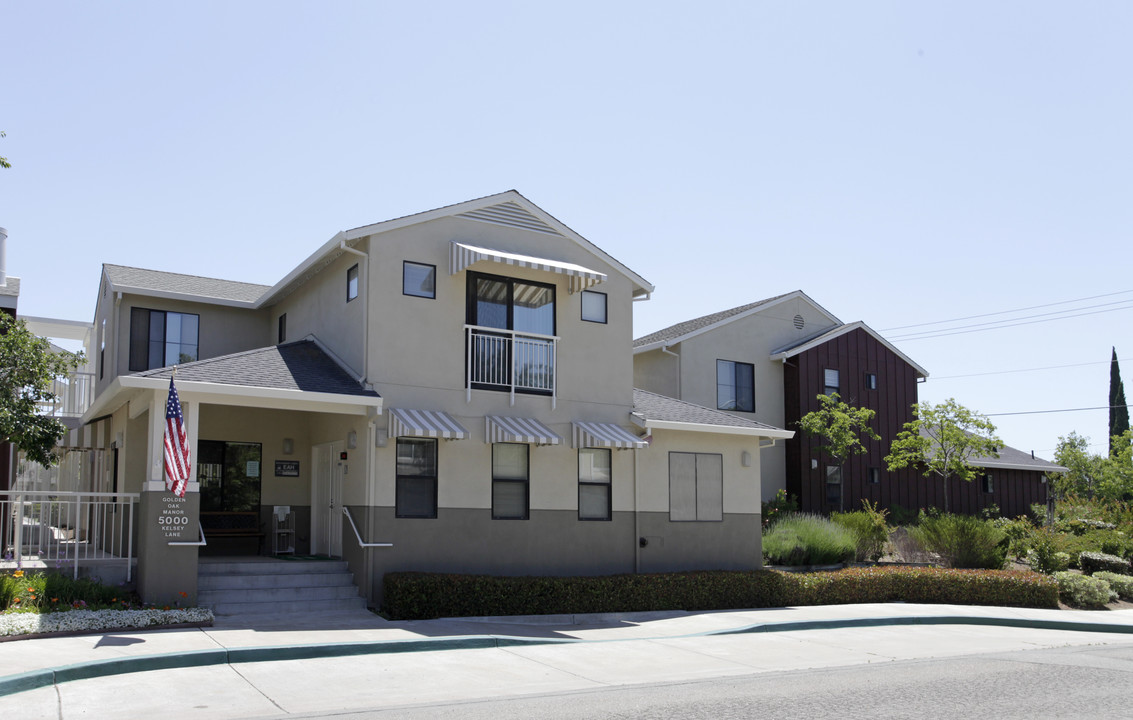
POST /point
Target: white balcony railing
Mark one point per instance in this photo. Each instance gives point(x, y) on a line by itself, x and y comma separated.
point(508, 360)
point(67, 529)
point(73, 395)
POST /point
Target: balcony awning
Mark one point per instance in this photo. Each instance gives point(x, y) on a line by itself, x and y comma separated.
point(598, 435)
point(404, 422)
point(518, 430)
point(461, 256)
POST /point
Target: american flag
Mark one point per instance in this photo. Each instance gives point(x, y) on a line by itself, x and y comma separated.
point(177, 464)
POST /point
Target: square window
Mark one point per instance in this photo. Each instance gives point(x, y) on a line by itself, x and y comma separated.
point(352, 283)
point(509, 481)
point(830, 382)
point(593, 306)
point(735, 386)
point(419, 280)
point(416, 477)
point(871, 381)
point(594, 478)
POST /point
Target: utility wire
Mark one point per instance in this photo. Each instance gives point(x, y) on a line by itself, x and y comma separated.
point(1044, 412)
point(929, 334)
point(1022, 370)
point(1005, 312)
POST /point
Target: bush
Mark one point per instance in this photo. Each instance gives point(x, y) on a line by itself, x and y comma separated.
point(51, 591)
point(902, 516)
point(1111, 542)
point(781, 505)
point(1037, 514)
point(1083, 591)
point(1092, 562)
point(1121, 584)
point(963, 541)
point(1020, 535)
point(869, 528)
point(1046, 555)
point(804, 539)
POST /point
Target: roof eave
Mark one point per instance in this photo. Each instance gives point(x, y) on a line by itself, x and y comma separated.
point(649, 424)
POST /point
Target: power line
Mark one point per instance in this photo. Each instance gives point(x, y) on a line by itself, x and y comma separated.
point(1044, 412)
point(929, 334)
point(1005, 312)
point(1022, 370)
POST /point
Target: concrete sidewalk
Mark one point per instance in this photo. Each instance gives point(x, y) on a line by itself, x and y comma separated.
point(42, 662)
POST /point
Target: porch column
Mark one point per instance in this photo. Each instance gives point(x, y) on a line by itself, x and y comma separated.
point(167, 574)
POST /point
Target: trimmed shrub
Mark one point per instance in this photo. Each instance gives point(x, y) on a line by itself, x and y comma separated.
point(804, 539)
point(869, 528)
point(1083, 591)
point(962, 541)
point(1092, 562)
point(1111, 542)
point(1121, 584)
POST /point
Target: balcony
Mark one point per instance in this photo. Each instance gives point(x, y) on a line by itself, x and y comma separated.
point(73, 395)
point(506, 360)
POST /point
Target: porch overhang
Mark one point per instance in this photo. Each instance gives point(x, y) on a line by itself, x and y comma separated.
point(461, 256)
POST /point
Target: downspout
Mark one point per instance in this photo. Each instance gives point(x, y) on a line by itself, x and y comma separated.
point(636, 520)
point(665, 349)
point(365, 273)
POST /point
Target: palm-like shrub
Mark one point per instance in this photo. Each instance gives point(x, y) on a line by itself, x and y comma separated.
point(805, 539)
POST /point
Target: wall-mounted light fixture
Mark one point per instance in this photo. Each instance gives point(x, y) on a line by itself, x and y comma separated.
point(351, 440)
point(288, 446)
point(745, 458)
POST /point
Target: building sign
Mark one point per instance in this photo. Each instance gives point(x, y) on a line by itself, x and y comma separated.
point(287, 468)
point(173, 522)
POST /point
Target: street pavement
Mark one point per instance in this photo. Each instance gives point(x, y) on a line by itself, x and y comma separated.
point(280, 665)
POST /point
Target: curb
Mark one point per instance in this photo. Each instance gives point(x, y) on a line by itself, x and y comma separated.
point(47, 677)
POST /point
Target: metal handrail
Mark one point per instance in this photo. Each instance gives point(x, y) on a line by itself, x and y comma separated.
point(346, 512)
point(200, 543)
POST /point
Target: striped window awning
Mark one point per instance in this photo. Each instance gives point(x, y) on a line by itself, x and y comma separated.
point(518, 430)
point(404, 422)
point(93, 436)
point(580, 278)
point(598, 435)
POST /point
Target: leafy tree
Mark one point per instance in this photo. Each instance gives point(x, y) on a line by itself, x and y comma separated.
point(943, 440)
point(1118, 410)
point(840, 427)
point(27, 368)
point(1084, 469)
point(1117, 477)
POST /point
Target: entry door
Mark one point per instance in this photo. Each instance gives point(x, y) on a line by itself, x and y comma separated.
point(326, 499)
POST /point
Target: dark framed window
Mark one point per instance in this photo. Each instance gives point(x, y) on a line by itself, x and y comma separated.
point(874, 476)
point(102, 350)
point(830, 381)
point(696, 487)
point(498, 359)
point(988, 483)
point(282, 328)
point(594, 306)
point(229, 474)
point(159, 338)
point(510, 481)
point(416, 477)
point(595, 478)
point(871, 381)
point(418, 279)
point(735, 386)
point(352, 283)
point(834, 486)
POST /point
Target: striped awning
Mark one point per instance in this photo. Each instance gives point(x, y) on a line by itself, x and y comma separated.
point(518, 430)
point(92, 436)
point(404, 422)
point(461, 256)
point(598, 435)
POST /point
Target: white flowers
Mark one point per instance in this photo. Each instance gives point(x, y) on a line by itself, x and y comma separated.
point(84, 620)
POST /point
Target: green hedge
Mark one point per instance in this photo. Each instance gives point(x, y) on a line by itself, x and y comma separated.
point(417, 596)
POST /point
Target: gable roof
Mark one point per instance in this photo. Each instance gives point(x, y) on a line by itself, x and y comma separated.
point(177, 286)
point(1011, 459)
point(651, 410)
point(804, 345)
point(690, 328)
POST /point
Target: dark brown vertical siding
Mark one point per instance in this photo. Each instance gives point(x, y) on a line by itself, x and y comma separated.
point(1014, 491)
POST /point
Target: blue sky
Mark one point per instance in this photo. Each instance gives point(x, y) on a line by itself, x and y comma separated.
point(902, 163)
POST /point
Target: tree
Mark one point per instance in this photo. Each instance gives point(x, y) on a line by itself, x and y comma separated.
point(27, 368)
point(840, 427)
point(3, 160)
point(1118, 410)
point(1084, 470)
point(943, 440)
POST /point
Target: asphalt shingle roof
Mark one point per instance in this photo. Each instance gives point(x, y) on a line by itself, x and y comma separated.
point(141, 279)
point(652, 406)
point(684, 328)
point(11, 288)
point(299, 365)
point(1009, 457)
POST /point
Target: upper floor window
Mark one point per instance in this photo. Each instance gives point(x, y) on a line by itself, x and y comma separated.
point(871, 381)
point(510, 304)
point(735, 386)
point(352, 283)
point(511, 343)
point(830, 382)
point(102, 349)
point(282, 328)
point(159, 338)
point(419, 280)
point(593, 306)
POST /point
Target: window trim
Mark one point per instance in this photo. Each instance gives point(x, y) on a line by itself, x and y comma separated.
point(826, 386)
point(140, 339)
point(404, 266)
point(399, 477)
point(736, 365)
point(609, 486)
point(526, 481)
point(871, 381)
point(352, 275)
point(471, 317)
point(605, 307)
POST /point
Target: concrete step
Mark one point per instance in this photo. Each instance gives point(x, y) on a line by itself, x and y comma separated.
point(284, 594)
point(246, 582)
point(268, 586)
point(281, 607)
point(271, 567)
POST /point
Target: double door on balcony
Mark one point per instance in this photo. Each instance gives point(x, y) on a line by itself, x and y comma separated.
point(510, 334)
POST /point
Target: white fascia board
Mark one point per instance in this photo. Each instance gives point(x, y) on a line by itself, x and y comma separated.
point(1019, 466)
point(58, 328)
point(313, 259)
point(717, 429)
point(277, 398)
point(188, 297)
point(659, 345)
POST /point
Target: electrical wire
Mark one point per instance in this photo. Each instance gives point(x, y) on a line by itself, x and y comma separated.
point(1005, 312)
point(1022, 370)
point(945, 333)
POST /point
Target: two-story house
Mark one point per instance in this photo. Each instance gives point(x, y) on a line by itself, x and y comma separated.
point(770, 360)
point(447, 391)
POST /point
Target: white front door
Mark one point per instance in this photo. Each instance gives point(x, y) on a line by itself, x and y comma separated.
point(326, 499)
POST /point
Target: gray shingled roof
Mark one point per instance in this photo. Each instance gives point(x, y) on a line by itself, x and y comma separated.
point(1009, 457)
point(11, 288)
point(130, 277)
point(684, 328)
point(652, 406)
point(299, 365)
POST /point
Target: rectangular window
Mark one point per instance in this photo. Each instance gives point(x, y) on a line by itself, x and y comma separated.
point(416, 477)
point(830, 382)
point(102, 350)
point(525, 358)
point(509, 481)
point(352, 283)
point(593, 306)
point(988, 483)
point(834, 486)
point(594, 480)
point(875, 476)
point(418, 279)
point(282, 328)
point(696, 487)
point(871, 381)
point(735, 386)
point(229, 474)
point(160, 339)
